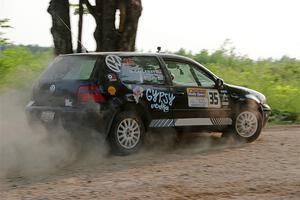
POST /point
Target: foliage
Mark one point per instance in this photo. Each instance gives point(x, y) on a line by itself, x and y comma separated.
point(279, 79)
point(76, 9)
point(19, 66)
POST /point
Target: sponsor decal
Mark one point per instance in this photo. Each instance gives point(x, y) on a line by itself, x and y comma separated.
point(203, 98)
point(128, 61)
point(146, 71)
point(112, 90)
point(68, 102)
point(111, 77)
point(197, 97)
point(129, 86)
point(114, 63)
point(159, 100)
point(225, 100)
point(137, 93)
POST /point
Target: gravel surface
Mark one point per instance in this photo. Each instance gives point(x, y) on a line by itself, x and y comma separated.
point(199, 167)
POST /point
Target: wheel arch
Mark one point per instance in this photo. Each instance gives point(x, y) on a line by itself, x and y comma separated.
point(139, 108)
point(250, 102)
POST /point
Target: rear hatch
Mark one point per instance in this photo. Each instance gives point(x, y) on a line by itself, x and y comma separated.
point(60, 83)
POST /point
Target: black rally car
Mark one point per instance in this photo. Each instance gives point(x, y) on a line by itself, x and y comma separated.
point(122, 95)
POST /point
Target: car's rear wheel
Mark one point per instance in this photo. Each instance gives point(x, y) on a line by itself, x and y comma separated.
point(247, 126)
point(127, 133)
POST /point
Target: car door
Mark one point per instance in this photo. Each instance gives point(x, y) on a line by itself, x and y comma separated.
point(198, 100)
point(145, 79)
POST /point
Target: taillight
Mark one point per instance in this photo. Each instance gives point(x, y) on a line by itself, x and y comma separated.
point(90, 94)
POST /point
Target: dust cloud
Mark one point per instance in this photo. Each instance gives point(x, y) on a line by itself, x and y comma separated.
point(29, 151)
point(169, 141)
point(32, 150)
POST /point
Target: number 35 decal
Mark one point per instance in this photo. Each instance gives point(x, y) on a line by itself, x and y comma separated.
point(214, 99)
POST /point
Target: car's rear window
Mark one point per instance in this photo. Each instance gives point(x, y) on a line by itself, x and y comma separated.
point(70, 68)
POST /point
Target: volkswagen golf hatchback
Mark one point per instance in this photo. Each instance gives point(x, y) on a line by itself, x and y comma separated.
point(122, 95)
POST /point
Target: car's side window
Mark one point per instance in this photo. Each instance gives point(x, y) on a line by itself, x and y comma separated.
point(141, 70)
point(181, 73)
point(203, 79)
point(187, 75)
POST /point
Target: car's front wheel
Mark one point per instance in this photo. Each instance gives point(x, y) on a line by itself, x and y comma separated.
point(247, 126)
point(127, 133)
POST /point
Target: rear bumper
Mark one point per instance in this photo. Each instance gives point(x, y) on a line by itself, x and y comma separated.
point(266, 112)
point(72, 118)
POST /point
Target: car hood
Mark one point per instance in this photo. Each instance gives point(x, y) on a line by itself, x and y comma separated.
point(247, 92)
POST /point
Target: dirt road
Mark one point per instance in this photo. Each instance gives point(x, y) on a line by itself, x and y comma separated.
point(198, 168)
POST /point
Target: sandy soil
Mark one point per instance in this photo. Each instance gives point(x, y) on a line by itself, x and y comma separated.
point(200, 167)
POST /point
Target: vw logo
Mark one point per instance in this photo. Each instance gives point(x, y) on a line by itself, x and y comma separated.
point(52, 88)
point(114, 63)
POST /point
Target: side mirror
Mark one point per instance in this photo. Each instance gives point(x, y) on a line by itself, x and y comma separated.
point(219, 82)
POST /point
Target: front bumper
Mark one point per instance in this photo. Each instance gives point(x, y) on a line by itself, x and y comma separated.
point(266, 112)
point(94, 117)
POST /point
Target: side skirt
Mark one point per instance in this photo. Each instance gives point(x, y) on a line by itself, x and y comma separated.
point(159, 123)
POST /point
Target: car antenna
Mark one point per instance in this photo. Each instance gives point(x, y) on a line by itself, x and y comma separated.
point(158, 49)
point(86, 51)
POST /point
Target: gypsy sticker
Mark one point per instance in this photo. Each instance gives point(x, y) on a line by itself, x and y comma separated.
point(203, 98)
point(114, 63)
point(160, 100)
point(137, 93)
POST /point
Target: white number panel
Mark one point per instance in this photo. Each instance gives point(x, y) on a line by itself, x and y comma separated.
point(203, 98)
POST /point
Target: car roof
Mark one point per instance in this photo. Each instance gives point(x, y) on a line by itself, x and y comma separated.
point(164, 55)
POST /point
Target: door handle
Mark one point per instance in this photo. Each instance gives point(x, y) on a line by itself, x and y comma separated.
point(180, 93)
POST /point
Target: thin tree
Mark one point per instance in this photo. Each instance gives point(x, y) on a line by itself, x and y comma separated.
point(4, 24)
point(80, 22)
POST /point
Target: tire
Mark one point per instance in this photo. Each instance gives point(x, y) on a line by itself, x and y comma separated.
point(127, 133)
point(247, 126)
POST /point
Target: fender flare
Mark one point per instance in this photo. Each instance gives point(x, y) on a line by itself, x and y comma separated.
point(250, 101)
point(252, 97)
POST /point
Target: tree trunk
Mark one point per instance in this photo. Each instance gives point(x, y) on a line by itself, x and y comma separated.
point(131, 11)
point(80, 21)
point(61, 29)
point(107, 37)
